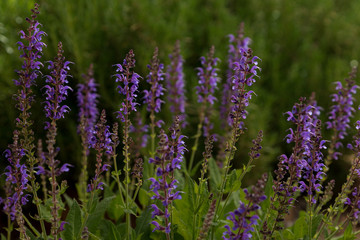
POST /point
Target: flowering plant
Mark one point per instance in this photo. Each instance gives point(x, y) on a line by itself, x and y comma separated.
point(168, 190)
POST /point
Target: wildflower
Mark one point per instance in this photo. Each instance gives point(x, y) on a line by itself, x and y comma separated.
point(243, 219)
point(237, 45)
point(170, 155)
point(102, 143)
point(130, 81)
point(57, 89)
point(87, 100)
point(341, 112)
point(156, 75)
point(176, 85)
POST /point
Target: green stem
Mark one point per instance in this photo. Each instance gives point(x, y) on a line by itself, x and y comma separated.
point(88, 208)
point(120, 187)
point(31, 226)
point(197, 136)
point(9, 228)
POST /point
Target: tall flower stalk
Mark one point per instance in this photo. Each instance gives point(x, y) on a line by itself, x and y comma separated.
point(31, 47)
point(341, 113)
point(208, 79)
point(245, 71)
point(176, 85)
point(169, 157)
point(129, 82)
point(152, 97)
point(56, 92)
point(87, 100)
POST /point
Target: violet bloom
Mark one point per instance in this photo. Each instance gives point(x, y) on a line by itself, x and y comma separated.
point(245, 71)
point(244, 218)
point(354, 204)
point(57, 89)
point(102, 143)
point(169, 157)
point(208, 78)
point(87, 98)
point(31, 52)
point(237, 45)
point(342, 110)
point(176, 84)
point(156, 75)
point(17, 174)
point(129, 81)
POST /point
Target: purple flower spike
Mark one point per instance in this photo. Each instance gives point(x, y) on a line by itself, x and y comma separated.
point(56, 89)
point(156, 75)
point(87, 98)
point(342, 111)
point(244, 218)
point(102, 143)
point(237, 45)
point(208, 78)
point(170, 155)
point(176, 85)
point(129, 83)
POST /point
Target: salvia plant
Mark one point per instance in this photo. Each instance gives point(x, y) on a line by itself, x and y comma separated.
point(142, 177)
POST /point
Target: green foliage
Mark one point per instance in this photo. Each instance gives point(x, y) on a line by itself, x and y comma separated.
point(74, 221)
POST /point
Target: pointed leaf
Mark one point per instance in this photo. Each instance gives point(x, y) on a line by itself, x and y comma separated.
point(74, 221)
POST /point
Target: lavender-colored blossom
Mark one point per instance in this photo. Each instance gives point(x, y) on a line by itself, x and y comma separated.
point(169, 157)
point(237, 45)
point(208, 78)
point(87, 98)
point(156, 75)
point(129, 83)
point(102, 143)
point(31, 52)
point(17, 175)
point(342, 111)
point(57, 89)
point(354, 203)
point(245, 71)
point(175, 84)
point(244, 218)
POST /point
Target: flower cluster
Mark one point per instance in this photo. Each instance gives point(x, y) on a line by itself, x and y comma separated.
point(175, 83)
point(234, 55)
point(31, 53)
point(87, 101)
point(355, 205)
point(170, 155)
point(342, 111)
point(101, 142)
point(244, 218)
point(245, 71)
point(130, 81)
point(156, 75)
point(17, 174)
point(57, 89)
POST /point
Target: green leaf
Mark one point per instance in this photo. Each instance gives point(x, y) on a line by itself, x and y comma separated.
point(74, 221)
point(214, 175)
point(184, 210)
point(142, 224)
point(3, 237)
point(288, 234)
point(300, 227)
point(269, 192)
point(315, 223)
point(98, 214)
point(144, 197)
point(116, 208)
point(109, 231)
point(348, 234)
point(232, 183)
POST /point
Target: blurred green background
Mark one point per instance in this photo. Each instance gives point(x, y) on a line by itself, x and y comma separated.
point(304, 46)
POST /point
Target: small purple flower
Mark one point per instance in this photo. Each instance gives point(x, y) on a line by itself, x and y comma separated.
point(170, 155)
point(101, 141)
point(234, 55)
point(87, 98)
point(57, 89)
point(342, 110)
point(244, 218)
point(208, 78)
point(156, 75)
point(129, 83)
point(175, 84)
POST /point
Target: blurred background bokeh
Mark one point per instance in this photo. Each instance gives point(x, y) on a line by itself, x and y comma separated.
point(304, 46)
